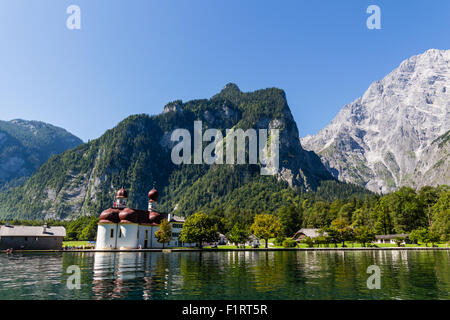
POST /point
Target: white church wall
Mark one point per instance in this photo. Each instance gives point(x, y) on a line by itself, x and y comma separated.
point(128, 236)
point(145, 233)
point(106, 236)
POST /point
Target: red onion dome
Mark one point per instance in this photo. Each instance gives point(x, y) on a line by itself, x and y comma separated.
point(110, 215)
point(128, 215)
point(153, 195)
point(122, 193)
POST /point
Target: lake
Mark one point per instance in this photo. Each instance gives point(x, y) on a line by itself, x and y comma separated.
point(227, 275)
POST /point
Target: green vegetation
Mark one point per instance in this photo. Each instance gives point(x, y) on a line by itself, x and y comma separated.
point(424, 214)
point(164, 233)
point(199, 228)
point(78, 244)
point(289, 243)
point(266, 226)
point(239, 234)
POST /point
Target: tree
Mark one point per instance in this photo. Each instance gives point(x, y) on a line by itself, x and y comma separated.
point(321, 240)
point(383, 218)
point(363, 235)
point(346, 212)
point(290, 219)
point(266, 226)
point(199, 228)
point(317, 216)
point(419, 235)
point(164, 233)
point(361, 217)
point(238, 234)
point(441, 216)
point(407, 210)
point(341, 231)
point(428, 197)
point(75, 228)
point(433, 237)
point(89, 232)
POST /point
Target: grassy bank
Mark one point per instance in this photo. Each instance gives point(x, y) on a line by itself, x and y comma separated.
point(78, 244)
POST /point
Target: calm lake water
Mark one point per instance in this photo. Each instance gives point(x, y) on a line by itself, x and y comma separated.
point(227, 275)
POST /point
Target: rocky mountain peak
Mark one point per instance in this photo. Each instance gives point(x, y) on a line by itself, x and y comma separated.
point(380, 140)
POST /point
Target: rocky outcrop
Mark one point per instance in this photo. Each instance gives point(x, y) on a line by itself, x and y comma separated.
point(395, 134)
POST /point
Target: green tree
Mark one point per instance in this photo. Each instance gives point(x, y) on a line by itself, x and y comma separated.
point(199, 228)
point(428, 196)
point(321, 240)
point(382, 216)
point(75, 228)
point(407, 210)
point(238, 234)
point(89, 232)
point(363, 235)
point(266, 226)
point(341, 230)
point(433, 237)
point(361, 217)
point(441, 216)
point(346, 212)
point(419, 235)
point(290, 219)
point(164, 233)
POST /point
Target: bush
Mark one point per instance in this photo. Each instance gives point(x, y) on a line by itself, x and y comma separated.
point(398, 241)
point(279, 241)
point(289, 243)
point(309, 242)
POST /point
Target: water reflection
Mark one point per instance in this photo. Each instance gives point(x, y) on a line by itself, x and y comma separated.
point(227, 275)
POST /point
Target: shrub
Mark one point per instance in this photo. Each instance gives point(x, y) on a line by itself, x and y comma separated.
point(289, 243)
point(279, 241)
point(309, 242)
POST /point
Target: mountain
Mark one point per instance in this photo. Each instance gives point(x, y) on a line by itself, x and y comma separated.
point(26, 145)
point(136, 154)
point(397, 133)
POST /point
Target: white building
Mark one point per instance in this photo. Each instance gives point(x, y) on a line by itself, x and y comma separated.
point(121, 227)
point(391, 238)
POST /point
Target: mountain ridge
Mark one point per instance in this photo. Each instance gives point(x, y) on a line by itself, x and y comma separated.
point(136, 154)
point(382, 140)
point(26, 144)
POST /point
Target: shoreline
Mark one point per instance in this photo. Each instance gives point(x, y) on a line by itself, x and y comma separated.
point(230, 249)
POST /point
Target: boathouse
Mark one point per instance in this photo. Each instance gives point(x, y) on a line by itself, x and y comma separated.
point(307, 232)
point(31, 237)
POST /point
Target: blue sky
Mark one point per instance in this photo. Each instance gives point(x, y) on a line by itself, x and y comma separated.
point(134, 56)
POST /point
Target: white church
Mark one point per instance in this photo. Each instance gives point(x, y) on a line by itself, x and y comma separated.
point(123, 228)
